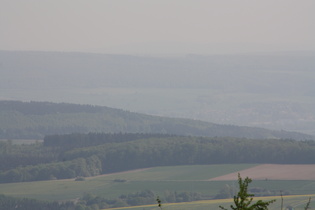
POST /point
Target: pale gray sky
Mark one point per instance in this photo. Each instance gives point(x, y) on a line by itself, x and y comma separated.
point(157, 26)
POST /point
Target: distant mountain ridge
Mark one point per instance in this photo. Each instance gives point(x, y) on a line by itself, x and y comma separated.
point(23, 120)
point(91, 70)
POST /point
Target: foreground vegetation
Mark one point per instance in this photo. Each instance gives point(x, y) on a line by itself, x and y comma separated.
point(243, 200)
point(298, 202)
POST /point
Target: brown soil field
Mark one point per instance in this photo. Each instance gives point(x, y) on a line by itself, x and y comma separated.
point(274, 172)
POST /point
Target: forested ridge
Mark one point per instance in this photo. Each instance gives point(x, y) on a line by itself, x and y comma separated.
point(98, 153)
point(34, 120)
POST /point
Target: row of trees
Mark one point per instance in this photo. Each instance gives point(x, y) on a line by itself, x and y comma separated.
point(11, 203)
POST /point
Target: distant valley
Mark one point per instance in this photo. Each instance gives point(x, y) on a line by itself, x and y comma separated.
point(270, 90)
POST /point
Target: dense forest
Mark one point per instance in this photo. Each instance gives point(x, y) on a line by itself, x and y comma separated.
point(83, 155)
point(34, 120)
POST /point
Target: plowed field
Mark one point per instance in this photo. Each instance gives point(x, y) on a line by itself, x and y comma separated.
point(274, 172)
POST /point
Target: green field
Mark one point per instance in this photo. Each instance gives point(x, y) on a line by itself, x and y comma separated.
point(193, 178)
point(158, 179)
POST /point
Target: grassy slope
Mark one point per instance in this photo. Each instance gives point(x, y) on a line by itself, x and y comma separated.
point(159, 180)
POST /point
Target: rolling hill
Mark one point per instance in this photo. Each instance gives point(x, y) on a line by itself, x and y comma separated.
point(34, 120)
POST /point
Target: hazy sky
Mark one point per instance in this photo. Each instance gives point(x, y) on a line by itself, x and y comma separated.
point(157, 26)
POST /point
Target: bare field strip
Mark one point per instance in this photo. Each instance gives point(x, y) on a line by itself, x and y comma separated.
point(274, 172)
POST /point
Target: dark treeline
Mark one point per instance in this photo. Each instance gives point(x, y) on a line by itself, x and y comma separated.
point(94, 139)
point(132, 151)
point(11, 203)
